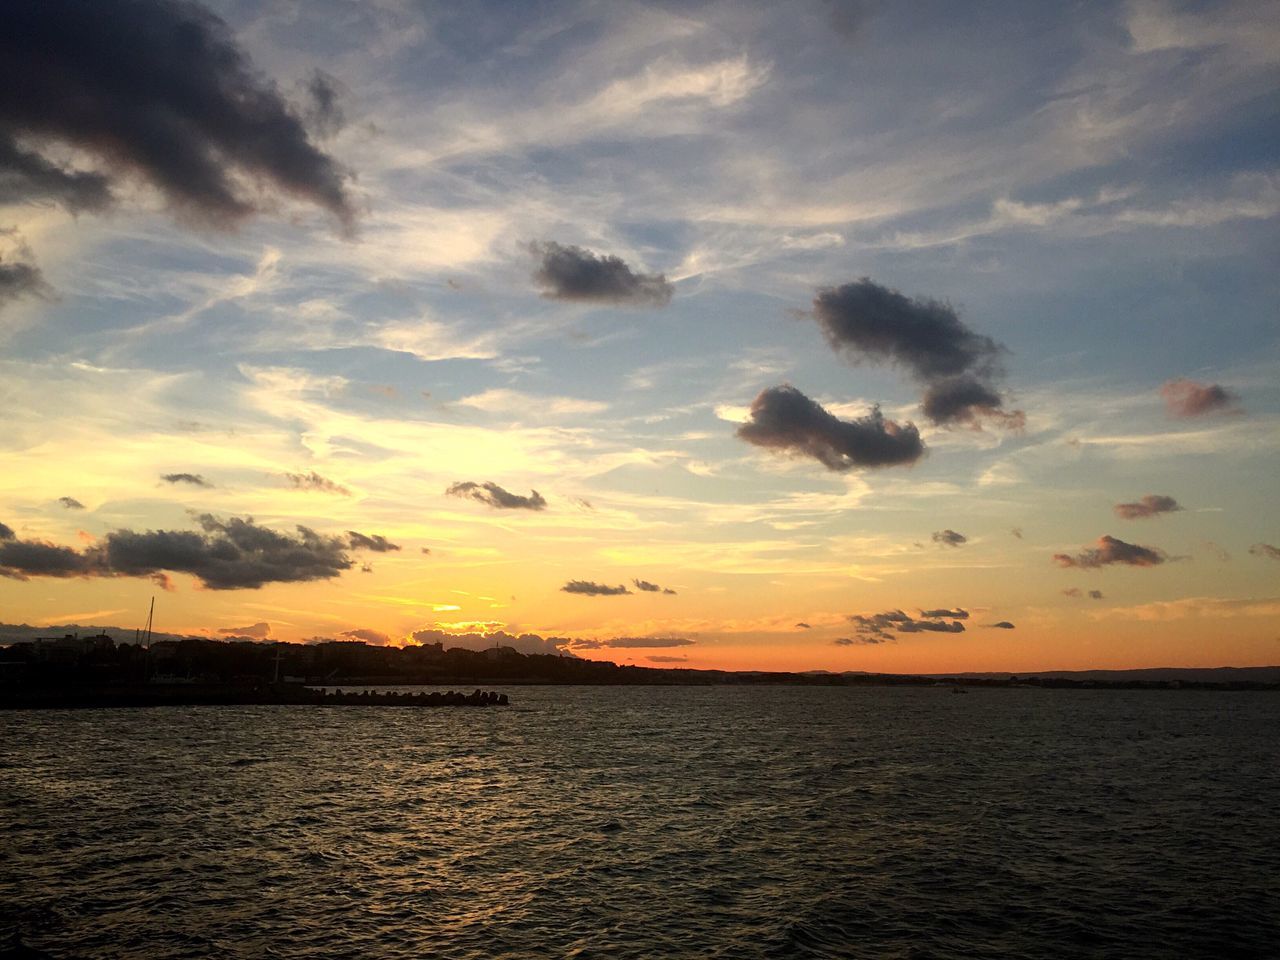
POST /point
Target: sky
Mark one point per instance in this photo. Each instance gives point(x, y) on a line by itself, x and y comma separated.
point(909, 337)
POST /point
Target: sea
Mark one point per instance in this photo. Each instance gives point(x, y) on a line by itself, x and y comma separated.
point(651, 822)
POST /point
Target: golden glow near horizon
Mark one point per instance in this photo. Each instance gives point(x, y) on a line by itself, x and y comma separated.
point(301, 374)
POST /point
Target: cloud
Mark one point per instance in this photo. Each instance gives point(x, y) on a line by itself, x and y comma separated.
point(863, 640)
point(1016, 532)
point(324, 113)
point(375, 637)
point(572, 273)
point(192, 478)
point(1095, 594)
point(313, 481)
point(959, 368)
point(783, 418)
point(632, 643)
point(157, 90)
point(957, 614)
point(588, 588)
point(495, 496)
point(948, 538)
point(1265, 550)
point(662, 659)
point(18, 279)
point(879, 627)
point(258, 631)
point(647, 587)
point(529, 643)
point(1109, 550)
point(6, 532)
point(377, 542)
point(1002, 625)
point(804, 626)
point(1077, 592)
point(1189, 398)
point(1151, 505)
point(23, 559)
point(71, 503)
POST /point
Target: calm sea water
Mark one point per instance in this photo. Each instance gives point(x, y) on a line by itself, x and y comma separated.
point(652, 823)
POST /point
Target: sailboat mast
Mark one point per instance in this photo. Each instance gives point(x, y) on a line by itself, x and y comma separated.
point(150, 614)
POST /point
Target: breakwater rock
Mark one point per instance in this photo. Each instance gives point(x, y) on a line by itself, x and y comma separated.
point(17, 697)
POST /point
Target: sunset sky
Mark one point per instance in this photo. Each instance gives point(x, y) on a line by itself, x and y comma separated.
point(570, 321)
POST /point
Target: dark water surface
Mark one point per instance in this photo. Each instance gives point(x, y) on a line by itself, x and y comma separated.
point(652, 823)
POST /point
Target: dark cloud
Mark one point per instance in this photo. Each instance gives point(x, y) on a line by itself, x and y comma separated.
point(804, 626)
point(1265, 550)
point(313, 481)
point(495, 496)
point(1189, 398)
point(1151, 505)
point(1109, 550)
point(783, 418)
point(862, 640)
point(959, 368)
point(588, 588)
point(957, 614)
point(879, 627)
point(23, 559)
point(192, 478)
point(375, 637)
point(1016, 531)
point(6, 532)
point(930, 626)
point(632, 643)
point(572, 273)
point(71, 503)
point(324, 114)
point(949, 538)
point(258, 631)
point(426, 551)
point(647, 587)
point(1077, 592)
point(157, 90)
point(18, 279)
point(1095, 594)
point(1002, 625)
point(668, 659)
point(377, 542)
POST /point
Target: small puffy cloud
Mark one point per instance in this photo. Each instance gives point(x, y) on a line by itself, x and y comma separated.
point(377, 543)
point(804, 626)
point(959, 368)
point(647, 587)
point(1190, 398)
point(783, 418)
point(150, 90)
point(959, 613)
point(1016, 532)
point(572, 273)
point(589, 588)
point(1002, 625)
point(862, 640)
point(258, 631)
point(495, 496)
point(948, 538)
point(71, 503)
point(194, 479)
point(1110, 550)
point(1095, 594)
point(667, 659)
point(376, 637)
point(1151, 505)
point(313, 481)
point(1265, 550)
